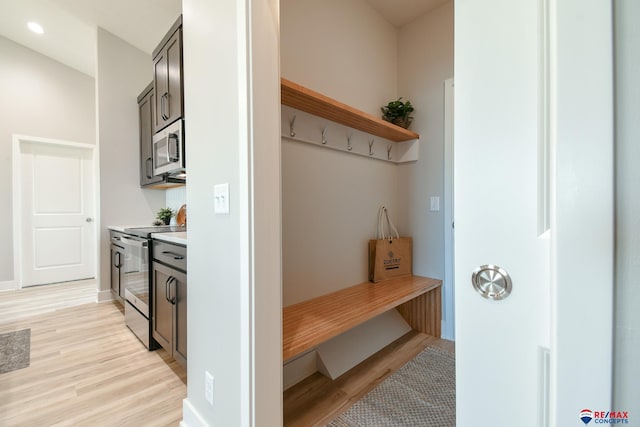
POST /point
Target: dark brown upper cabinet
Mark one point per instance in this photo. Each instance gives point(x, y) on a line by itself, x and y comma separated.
point(167, 78)
point(146, 117)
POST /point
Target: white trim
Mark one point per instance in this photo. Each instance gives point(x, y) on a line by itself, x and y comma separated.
point(17, 140)
point(191, 417)
point(9, 285)
point(104, 295)
point(582, 232)
point(299, 368)
point(448, 303)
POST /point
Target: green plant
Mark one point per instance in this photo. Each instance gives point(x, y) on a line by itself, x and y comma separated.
point(165, 215)
point(398, 112)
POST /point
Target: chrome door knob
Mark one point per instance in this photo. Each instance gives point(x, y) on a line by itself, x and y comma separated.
point(89, 219)
point(491, 282)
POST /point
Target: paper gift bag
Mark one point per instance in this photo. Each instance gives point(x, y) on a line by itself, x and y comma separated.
point(390, 257)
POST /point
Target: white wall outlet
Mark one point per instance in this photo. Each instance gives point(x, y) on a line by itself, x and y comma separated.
point(434, 204)
point(221, 199)
point(208, 387)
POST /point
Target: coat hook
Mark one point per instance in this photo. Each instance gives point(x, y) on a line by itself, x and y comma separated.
point(292, 132)
point(349, 147)
point(324, 133)
point(389, 147)
point(371, 147)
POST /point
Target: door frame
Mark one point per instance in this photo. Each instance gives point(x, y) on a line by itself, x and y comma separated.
point(448, 307)
point(17, 142)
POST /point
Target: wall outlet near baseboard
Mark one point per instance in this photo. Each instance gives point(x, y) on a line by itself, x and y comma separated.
point(208, 387)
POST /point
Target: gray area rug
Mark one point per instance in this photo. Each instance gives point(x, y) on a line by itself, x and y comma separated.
point(421, 393)
point(15, 350)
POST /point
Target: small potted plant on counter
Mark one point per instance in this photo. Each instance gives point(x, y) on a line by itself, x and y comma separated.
point(397, 112)
point(165, 215)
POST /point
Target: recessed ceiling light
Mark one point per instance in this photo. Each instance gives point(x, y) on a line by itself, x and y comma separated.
point(35, 27)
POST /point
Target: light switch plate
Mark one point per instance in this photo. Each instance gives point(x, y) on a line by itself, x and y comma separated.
point(221, 199)
point(434, 204)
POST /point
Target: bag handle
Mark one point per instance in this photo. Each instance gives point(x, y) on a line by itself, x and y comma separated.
point(382, 214)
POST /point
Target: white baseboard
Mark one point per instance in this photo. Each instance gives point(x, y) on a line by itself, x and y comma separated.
point(339, 354)
point(9, 285)
point(191, 417)
point(104, 296)
point(447, 331)
point(298, 369)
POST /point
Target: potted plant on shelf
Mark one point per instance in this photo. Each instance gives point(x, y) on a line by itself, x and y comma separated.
point(397, 112)
point(165, 215)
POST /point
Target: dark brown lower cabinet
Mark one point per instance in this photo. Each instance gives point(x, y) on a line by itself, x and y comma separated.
point(169, 311)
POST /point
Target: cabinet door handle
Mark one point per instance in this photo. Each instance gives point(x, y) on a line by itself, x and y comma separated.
point(166, 288)
point(149, 167)
point(173, 294)
point(173, 254)
point(117, 260)
point(164, 106)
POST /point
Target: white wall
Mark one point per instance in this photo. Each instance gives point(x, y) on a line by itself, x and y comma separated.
point(43, 98)
point(234, 260)
point(174, 198)
point(425, 61)
point(123, 71)
point(330, 200)
point(626, 393)
point(342, 49)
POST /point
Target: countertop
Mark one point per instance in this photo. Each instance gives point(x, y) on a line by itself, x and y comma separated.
point(178, 237)
point(121, 228)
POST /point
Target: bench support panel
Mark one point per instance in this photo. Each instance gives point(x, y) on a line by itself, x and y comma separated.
point(423, 313)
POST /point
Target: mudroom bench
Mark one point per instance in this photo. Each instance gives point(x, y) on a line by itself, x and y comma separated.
point(312, 322)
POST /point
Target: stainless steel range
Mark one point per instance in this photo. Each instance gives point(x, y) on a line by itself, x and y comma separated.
point(136, 279)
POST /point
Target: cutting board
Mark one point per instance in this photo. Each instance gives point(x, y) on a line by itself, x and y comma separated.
point(181, 217)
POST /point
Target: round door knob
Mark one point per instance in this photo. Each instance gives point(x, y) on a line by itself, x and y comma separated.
point(89, 219)
point(491, 282)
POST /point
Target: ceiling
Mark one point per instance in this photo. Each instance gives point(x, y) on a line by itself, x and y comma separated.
point(401, 12)
point(70, 25)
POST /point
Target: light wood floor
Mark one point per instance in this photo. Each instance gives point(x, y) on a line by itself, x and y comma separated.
point(317, 400)
point(27, 302)
point(88, 369)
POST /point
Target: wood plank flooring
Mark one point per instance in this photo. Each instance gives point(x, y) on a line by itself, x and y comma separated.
point(88, 369)
point(317, 400)
point(35, 300)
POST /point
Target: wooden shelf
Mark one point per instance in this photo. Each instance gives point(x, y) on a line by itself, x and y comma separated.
point(312, 102)
point(309, 323)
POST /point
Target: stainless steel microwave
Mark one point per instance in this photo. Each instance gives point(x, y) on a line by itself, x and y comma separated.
point(168, 150)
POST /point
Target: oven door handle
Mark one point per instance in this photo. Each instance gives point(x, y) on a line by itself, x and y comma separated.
point(133, 242)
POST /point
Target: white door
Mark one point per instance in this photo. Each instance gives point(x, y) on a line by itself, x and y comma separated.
point(533, 168)
point(57, 212)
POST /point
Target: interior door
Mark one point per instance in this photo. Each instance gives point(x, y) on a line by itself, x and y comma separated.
point(57, 205)
point(525, 226)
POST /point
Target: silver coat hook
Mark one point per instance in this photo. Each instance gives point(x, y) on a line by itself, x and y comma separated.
point(324, 135)
point(389, 147)
point(349, 147)
point(292, 132)
point(371, 147)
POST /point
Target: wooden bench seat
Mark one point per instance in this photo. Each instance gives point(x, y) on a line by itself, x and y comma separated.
point(311, 322)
